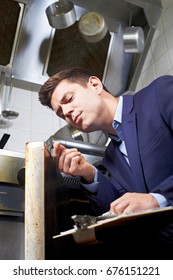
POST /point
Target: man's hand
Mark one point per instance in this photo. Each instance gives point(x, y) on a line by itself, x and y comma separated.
point(72, 162)
point(132, 202)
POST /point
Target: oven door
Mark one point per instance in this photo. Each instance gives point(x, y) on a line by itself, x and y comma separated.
point(11, 222)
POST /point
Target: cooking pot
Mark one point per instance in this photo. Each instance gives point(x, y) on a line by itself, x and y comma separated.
point(133, 38)
point(61, 14)
point(92, 27)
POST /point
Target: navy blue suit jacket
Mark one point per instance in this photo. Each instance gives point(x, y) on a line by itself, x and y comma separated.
point(147, 126)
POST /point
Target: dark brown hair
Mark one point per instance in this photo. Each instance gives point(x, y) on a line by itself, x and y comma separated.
point(76, 74)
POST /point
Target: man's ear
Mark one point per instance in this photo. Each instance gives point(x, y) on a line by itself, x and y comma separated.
point(96, 84)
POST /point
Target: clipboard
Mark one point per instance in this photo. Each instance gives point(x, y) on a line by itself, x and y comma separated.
point(87, 235)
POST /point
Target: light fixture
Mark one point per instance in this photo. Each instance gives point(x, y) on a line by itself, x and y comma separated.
point(61, 14)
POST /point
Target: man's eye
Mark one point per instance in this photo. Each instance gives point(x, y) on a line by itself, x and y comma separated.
point(70, 99)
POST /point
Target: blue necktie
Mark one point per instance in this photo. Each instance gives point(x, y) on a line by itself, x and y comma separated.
point(117, 127)
point(119, 139)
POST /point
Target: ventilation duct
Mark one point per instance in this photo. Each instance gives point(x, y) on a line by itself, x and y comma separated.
point(32, 50)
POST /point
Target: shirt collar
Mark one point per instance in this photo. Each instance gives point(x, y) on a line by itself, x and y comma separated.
point(117, 116)
point(118, 113)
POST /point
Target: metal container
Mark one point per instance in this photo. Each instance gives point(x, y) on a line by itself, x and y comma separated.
point(10, 163)
point(11, 236)
point(61, 14)
point(92, 27)
point(133, 38)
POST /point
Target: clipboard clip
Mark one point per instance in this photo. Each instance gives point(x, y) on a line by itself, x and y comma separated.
point(84, 221)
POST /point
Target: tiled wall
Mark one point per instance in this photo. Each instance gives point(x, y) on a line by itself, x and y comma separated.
point(159, 60)
point(37, 123)
point(34, 123)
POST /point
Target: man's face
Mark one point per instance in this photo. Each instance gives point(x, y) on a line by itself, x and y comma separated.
point(80, 106)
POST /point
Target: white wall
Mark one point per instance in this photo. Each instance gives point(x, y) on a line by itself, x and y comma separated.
point(37, 123)
point(34, 123)
point(159, 60)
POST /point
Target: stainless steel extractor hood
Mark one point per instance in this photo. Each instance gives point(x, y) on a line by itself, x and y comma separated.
point(33, 50)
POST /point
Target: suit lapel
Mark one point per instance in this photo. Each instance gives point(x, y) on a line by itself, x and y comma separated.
point(123, 173)
point(130, 138)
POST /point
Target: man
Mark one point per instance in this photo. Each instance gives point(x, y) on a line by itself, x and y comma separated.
point(139, 157)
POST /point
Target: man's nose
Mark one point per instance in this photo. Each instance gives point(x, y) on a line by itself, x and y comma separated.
point(67, 110)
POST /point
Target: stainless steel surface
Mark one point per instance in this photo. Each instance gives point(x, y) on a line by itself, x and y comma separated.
point(10, 163)
point(8, 113)
point(92, 27)
point(139, 60)
point(11, 237)
point(11, 200)
point(61, 14)
point(3, 123)
point(37, 34)
point(133, 39)
point(86, 148)
point(11, 207)
point(87, 143)
point(92, 144)
point(76, 134)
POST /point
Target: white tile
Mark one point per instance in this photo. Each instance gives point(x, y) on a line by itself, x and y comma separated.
point(167, 17)
point(159, 47)
point(148, 60)
point(169, 36)
point(37, 106)
point(18, 140)
point(169, 72)
point(162, 65)
point(166, 3)
point(158, 31)
point(2, 131)
point(148, 76)
point(41, 123)
point(170, 52)
point(21, 99)
point(57, 123)
point(23, 121)
point(38, 136)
